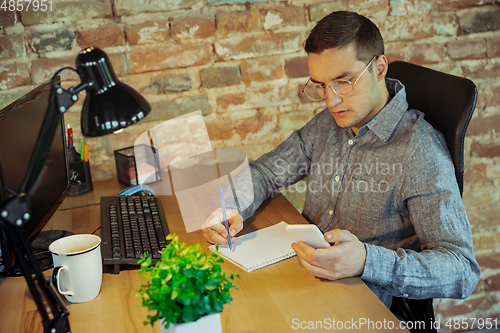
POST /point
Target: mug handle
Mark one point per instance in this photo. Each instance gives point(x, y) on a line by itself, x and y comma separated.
point(55, 279)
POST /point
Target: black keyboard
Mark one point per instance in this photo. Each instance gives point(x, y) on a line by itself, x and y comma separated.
point(132, 226)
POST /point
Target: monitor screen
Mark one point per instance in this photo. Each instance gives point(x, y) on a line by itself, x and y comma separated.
point(20, 123)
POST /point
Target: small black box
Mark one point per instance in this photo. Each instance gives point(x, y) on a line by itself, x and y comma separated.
point(137, 165)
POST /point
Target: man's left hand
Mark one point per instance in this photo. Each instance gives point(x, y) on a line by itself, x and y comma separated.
point(344, 259)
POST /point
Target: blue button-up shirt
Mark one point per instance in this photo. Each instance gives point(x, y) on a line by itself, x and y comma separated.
point(392, 185)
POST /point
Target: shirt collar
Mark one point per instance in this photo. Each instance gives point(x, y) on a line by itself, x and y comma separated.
point(385, 122)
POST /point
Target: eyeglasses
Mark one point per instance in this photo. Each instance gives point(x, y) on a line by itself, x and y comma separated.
point(317, 92)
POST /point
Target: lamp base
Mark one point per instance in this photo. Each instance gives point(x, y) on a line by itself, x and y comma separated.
point(40, 246)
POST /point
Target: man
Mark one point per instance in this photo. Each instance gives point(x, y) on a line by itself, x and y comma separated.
point(380, 180)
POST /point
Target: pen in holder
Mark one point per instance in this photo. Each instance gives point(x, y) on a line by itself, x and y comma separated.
point(79, 173)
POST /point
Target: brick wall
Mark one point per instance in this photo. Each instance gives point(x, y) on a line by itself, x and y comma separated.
point(241, 63)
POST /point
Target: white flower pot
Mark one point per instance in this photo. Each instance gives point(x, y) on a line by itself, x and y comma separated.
point(207, 324)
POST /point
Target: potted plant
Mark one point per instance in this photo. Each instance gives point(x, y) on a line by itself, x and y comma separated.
point(186, 288)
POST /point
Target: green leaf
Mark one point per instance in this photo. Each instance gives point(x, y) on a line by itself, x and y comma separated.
point(188, 272)
point(165, 290)
point(175, 292)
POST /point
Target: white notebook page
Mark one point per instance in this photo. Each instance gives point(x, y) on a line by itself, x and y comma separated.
point(259, 248)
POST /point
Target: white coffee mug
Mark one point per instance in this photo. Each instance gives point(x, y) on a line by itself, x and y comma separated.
point(77, 270)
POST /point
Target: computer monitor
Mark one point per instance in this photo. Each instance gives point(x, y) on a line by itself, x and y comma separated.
point(20, 123)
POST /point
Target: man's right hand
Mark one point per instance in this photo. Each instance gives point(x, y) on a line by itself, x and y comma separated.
point(214, 229)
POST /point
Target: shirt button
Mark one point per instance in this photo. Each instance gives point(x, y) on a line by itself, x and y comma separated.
point(351, 142)
point(330, 212)
point(337, 178)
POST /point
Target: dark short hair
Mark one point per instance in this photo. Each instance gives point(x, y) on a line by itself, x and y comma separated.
point(339, 29)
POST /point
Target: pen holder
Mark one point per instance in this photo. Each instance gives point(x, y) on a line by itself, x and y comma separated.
point(79, 173)
point(137, 165)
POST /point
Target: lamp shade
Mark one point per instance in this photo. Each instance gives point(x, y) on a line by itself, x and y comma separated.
point(110, 105)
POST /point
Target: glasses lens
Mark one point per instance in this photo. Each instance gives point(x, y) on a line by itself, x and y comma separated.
point(314, 92)
point(343, 88)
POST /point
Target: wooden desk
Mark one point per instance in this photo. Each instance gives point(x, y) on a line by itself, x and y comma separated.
point(278, 298)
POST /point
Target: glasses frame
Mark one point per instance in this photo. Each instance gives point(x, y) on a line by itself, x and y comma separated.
point(333, 82)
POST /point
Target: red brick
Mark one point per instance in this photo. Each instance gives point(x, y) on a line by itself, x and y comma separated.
point(244, 47)
point(426, 53)
point(232, 22)
point(483, 211)
point(472, 21)
point(68, 11)
point(43, 69)
point(57, 40)
point(212, 77)
point(467, 49)
point(403, 28)
point(194, 26)
point(297, 67)
point(219, 129)
point(492, 283)
point(468, 306)
point(261, 70)
point(282, 17)
point(475, 172)
point(483, 125)
point(252, 125)
point(169, 56)
point(489, 261)
point(484, 149)
point(101, 37)
point(461, 4)
point(7, 19)
point(147, 32)
point(488, 94)
point(294, 120)
point(481, 70)
point(319, 10)
point(14, 75)
point(369, 8)
point(273, 95)
point(493, 47)
point(394, 52)
point(12, 46)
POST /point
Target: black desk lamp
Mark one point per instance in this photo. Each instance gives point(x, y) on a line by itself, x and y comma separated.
point(110, 105)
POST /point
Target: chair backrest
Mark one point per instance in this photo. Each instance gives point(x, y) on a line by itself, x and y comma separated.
point(448, 102)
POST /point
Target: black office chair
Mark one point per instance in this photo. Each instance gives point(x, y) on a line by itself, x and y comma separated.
point(448, 102)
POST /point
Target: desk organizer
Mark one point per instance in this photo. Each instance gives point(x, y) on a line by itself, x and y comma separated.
point(79, 173)
point(137, 165)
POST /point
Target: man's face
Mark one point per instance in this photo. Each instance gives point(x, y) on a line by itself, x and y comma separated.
point(358, 109)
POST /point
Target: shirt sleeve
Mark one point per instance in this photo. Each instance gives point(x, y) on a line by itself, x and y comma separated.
point(283, 166)
point(445, 266)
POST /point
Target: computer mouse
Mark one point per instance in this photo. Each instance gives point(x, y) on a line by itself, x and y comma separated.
point(137, 190)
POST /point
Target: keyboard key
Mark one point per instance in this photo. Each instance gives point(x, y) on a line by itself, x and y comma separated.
point(134, 227)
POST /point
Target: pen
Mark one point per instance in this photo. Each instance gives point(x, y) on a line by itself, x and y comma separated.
point(70, 136)
point(81, 149)
point(85, 152)
point(223, 205)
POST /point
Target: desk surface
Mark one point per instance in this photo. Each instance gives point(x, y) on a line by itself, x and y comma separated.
point(278, 298)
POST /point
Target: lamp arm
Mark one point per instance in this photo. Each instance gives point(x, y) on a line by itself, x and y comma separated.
point(15, 211)
point(39, 286)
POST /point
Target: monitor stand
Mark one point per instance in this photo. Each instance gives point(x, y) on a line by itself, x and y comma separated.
point(40, 246)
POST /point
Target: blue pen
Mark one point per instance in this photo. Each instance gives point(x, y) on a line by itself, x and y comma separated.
point(223, 205)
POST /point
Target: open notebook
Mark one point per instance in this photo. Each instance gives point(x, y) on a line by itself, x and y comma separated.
point(259, 248)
